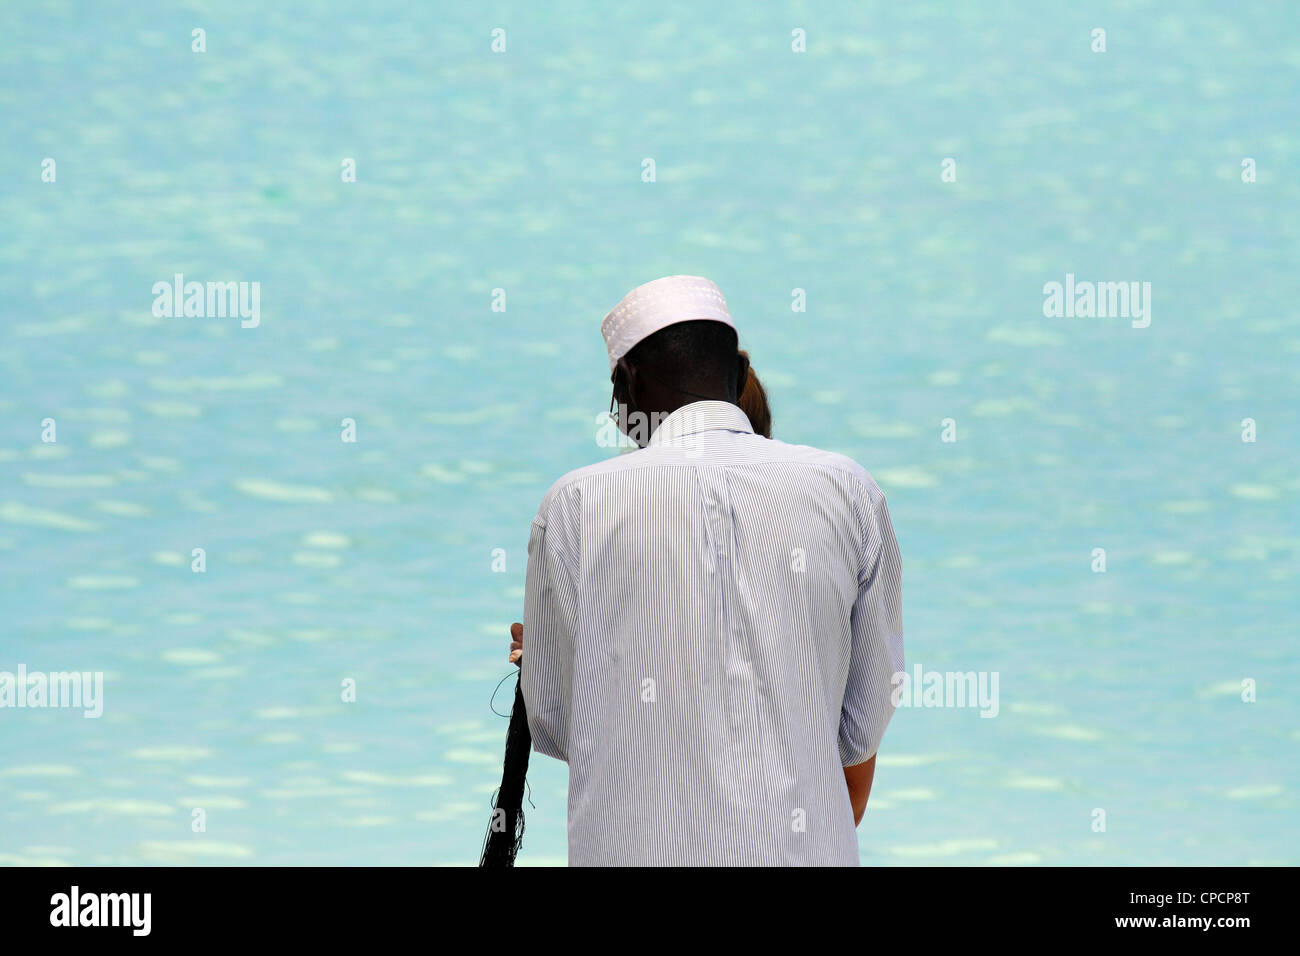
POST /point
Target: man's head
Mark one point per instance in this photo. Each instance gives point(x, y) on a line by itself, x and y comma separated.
point(682, 363)
point(671, 342)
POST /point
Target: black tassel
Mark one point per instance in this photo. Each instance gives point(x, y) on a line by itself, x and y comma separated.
point(506, 831)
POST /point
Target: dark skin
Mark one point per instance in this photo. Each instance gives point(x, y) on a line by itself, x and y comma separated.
point(858, 779)
point(649, 391)
point(655, 393)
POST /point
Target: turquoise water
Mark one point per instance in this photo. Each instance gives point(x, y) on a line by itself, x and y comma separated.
point(373, 560)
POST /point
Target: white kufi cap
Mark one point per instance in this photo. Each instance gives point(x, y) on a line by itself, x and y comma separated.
point(659, 304)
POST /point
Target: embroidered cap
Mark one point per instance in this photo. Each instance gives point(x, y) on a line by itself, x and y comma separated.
point(657, 305)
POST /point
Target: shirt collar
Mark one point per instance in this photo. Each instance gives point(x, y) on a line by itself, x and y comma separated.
point(701, 417)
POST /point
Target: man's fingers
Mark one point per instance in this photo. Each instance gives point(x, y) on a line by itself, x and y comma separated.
point(516, 642)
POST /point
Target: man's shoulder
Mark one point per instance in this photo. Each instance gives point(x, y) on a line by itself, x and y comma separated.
point(566, 492)
point(562, 488)
point(831, 461)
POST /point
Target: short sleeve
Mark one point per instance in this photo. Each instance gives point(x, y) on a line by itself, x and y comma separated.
point(877, 635)
point(550, 618)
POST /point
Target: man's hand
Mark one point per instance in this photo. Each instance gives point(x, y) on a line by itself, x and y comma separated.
point(516, 642)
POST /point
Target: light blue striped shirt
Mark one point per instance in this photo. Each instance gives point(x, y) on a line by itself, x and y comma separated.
point(711, 624)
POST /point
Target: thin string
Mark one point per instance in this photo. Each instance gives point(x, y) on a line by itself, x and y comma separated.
point(492, 701)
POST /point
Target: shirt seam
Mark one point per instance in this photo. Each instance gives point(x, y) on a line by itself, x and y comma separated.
point(696, 463)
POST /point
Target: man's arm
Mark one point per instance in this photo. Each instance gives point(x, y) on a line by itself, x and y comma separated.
point(859, 781)
point(876, 655)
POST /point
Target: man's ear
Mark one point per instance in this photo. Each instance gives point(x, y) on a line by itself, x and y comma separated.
point(742, 373)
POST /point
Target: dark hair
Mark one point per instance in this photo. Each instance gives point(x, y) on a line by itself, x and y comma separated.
point(699, 351)
point(753, 402)
point(684, 352)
